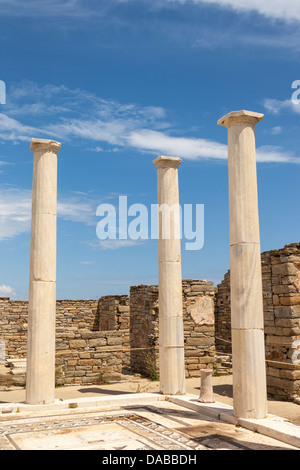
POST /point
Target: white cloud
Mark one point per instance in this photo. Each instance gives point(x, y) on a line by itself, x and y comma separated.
point(114, 126)
point(45, 8)
point(190, 148)
point(76, 210)
point(7, 291)
point(272, 154)
point(13, 130)
point(276, 9)
point(275, 106)
point(276, 130)
point(15, 211)
point(193, 149)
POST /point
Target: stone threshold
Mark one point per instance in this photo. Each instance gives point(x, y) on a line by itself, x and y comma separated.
point(272, 426)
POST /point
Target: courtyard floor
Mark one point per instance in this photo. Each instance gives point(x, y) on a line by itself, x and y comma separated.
point(132, 415)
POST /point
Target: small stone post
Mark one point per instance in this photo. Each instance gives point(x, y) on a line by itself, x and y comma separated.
point(247, 320)
point(206, 390)
point(40, 378)
point(171, 338)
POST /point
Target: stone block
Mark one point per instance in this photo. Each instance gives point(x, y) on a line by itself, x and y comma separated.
point(287, 311)
point(77, 343)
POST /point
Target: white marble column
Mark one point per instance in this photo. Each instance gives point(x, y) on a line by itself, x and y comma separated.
point(247, 320)
point(40, 377)
point(171, 337)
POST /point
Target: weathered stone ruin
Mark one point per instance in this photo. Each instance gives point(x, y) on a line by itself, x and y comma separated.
point(104, 340)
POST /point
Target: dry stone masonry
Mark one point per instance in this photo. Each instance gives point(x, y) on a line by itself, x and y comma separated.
point(87, 354)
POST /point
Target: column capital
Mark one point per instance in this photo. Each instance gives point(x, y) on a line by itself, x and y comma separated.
point(240, 117)
point(45, 144)
point(167, 162)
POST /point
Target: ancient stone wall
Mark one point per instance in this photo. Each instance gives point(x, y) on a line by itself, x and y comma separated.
point(113, 312)
point(71, 316)
point(281, 300)
point(97, 340)
point(144, 329)
point(93, 357)
point(198, 320)
point(199, 325)
point(13, 327)
point(83, 353)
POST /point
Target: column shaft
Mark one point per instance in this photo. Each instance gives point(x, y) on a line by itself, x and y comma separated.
point(171, 337)
point(40, 378)
point(247, 320)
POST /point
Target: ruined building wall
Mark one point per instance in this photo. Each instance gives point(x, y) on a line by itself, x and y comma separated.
point(113, 312)
point(97, 340)
point(144, 329)
point(83, 353)
point(198, 321)
point(281, 300)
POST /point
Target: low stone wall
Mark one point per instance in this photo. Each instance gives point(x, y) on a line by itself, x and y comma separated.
point(198, 321)
point(13, 327)
point(71, 317)
point(93, 357)
point(281, 301)
point(83, 353)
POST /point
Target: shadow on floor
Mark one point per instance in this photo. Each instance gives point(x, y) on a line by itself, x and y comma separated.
point(223, 390)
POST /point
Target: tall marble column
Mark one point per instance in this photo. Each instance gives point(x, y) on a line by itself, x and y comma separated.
point(171, 337)
point(40, 377)
point(247, 320)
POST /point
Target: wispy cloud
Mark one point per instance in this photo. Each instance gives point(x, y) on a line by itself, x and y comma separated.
point(13, 130)
point(273, 154)
point(190, 148)
point(114, 126)
point(15, 211)
point(7, 291)
point(76, 210)
point(46, 8)
point(187, 24)
point(276, 106)
point(277, 9)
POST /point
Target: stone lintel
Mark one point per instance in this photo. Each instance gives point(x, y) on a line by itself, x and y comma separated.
point(167, 162)
point(45, 144)
point(240, 117)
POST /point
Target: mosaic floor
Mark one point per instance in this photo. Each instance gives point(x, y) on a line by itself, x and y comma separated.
point(160, 426)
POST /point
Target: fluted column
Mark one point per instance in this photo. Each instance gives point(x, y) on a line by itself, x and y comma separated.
point(247, 320)
point(40, 378)
point(171, 337)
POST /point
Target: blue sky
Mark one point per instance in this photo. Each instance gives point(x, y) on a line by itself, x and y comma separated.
point(120, 82)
